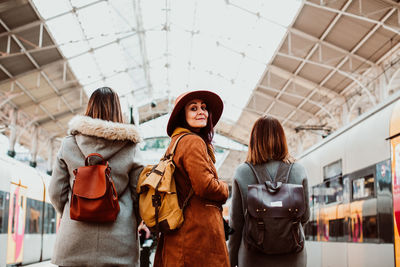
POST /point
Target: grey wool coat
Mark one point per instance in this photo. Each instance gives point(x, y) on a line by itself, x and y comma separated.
point(97, 244)
point(239, 255)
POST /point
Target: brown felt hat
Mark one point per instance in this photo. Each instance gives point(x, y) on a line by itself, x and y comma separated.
point(213, 101)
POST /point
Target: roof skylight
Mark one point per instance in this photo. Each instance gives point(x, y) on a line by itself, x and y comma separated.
point(159, 49)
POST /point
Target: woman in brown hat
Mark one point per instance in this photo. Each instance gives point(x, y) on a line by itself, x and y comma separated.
point(201, 239)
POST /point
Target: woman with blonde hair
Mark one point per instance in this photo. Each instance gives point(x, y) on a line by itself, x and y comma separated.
point(267, 151)
point(101, 131)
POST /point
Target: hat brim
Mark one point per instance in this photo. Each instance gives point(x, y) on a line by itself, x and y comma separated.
point(213, 101)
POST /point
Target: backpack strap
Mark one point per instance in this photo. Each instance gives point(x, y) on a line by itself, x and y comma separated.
point(262, 175)
point(260, 172)
point(171, 154)
point(157, 197)
point(282, 174)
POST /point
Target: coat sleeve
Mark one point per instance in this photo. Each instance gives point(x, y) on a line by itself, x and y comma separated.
point(236, 221)
point(197, 165)
point(59, 184)
point(306, 215)
point(134, 173)
point(300, 177)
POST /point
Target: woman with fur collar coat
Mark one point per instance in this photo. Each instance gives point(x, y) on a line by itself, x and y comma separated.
point(100, 131)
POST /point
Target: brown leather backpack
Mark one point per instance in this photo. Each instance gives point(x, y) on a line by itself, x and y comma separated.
point(273, 213)
point(94, 198)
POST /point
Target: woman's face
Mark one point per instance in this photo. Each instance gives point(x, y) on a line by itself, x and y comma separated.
point(196, 114)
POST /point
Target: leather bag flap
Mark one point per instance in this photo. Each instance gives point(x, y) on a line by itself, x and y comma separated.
point(158, 176)
point(90, 181)
point(288, 201)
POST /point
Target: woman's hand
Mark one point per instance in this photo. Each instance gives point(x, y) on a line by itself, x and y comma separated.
point(143, 227)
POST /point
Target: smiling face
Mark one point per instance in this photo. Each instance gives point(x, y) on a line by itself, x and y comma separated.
point(196, 114)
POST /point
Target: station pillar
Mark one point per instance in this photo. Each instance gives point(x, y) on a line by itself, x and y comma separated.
point(13, 133)
point(34, 148)
point(50, 157)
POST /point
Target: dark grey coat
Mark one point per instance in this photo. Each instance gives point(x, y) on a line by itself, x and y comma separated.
point(97, 244)
point(239, 255)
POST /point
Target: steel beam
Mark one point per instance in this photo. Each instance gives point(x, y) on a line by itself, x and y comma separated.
point(303, 82)
point(308, 56)
point(334, 69)
point(142, 43)
point(33, 61)
point(365, 38)
point(57, 116)
point(330, 45)
point(341, 12)
point(50, 156)
point(258, 93)
point(321, 107)
point(34, 147)
point(13, 132)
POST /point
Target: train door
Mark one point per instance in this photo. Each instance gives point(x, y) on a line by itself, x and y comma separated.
point(395, 147)
point(16, 223)
point(346, 209)
point(322, 227)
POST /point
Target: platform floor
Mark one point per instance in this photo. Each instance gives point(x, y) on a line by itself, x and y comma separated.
point(49, 264)
point(41, 264)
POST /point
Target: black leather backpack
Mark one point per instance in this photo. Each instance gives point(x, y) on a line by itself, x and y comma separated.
point(274, 210)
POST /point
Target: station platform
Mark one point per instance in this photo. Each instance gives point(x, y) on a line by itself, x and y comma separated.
point(41, 264)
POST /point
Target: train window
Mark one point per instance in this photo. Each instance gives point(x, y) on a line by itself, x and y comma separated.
point(346, 189)
point(384, 177)
point(13, 217)
point(333, 169)
point(4, 203)
point(310, 230)
point(318, 194)
point(364, 187)
point(332, 230)
point(2, 208)
point(370, 229)
point(385, 224)
point(33, 216)
point(347, 233)
point(333, 190)
point(313, 196)
point(336, 228)
point(49, 219)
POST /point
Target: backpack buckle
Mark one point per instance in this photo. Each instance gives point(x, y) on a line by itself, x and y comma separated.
point(260, 224)
point(156, 200)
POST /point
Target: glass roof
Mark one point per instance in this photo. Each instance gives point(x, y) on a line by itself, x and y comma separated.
point(148, 50)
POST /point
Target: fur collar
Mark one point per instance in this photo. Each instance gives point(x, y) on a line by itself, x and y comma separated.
point(105, 129)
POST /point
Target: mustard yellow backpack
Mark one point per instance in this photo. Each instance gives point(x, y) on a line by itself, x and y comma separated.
point(158, 200)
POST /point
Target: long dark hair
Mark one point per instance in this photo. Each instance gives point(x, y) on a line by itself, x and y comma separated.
point(206, 133)
point(104, 104)
point(267, 141)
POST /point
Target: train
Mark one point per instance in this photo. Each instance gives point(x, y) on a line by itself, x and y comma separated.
point(354, 189)
point(28, 221)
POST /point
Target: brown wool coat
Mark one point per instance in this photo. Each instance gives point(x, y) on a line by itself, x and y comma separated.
point(201, 240)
